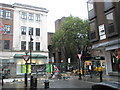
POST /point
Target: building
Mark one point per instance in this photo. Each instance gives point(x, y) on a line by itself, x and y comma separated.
point(104, 33)
point(6, 34)
point(29, 23)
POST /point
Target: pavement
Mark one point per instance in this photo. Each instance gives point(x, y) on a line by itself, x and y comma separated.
point(70, 83)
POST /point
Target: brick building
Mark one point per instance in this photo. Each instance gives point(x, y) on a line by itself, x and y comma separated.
point(104, 33)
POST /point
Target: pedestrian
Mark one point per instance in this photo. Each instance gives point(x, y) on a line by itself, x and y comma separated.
point(100, 70)
point(90, 69)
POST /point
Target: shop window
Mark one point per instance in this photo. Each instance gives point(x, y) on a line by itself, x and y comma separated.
point(115, 60)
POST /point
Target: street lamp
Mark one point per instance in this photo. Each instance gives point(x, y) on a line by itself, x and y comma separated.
point(79, 66)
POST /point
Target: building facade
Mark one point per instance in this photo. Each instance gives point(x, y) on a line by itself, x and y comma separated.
point(28, 22)
point(105, 33)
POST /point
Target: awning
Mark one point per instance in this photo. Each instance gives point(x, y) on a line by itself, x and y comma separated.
point(33, 56)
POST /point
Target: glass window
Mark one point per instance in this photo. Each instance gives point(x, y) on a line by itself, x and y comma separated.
point(6, 44)
point(31, 46)
point(1, 13)
point(23, 45)
point(110, 22)
point(37, 17)
point(92, 26)
point(7, 28)
point(90, 6)
point(109, 18)
point(31, 16)
point(7, 14)
point(37, 31)
point(0, 44)
point(24, 15)
point(38, 46)
point(30, 31)
point(23, 30)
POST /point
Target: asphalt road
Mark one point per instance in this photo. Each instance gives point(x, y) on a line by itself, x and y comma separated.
point(53, 84)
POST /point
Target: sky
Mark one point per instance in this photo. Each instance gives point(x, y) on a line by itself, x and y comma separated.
point(57, 9)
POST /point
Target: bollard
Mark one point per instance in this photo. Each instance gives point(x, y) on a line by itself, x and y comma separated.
point(31, 81)
point(25, 79)
point(46, 83)
point(3, 77)
point(100, 72)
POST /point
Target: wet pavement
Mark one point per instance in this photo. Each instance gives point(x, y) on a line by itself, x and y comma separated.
point(69, 83)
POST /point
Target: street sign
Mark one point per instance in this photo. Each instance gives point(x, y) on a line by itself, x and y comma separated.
point(79, 55)
point(26, 57)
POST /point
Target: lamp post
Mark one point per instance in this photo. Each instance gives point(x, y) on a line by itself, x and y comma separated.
point(31, 77)
point(79, 66)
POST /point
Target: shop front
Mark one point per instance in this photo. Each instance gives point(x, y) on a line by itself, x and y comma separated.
point(37, 65)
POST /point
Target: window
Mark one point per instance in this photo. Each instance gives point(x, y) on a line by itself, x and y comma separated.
point(109, 18)
point(23, 30)
point(37, 31)
point(107, 5)
point(31, 16)
point(92, 26)
point(24, 15)
point(6, 44)
point(23, 45)
point(1, 13)
point(7, 14)
point(92, 30)
point(110, 22)
point(37, 46)
point(37, 17)
point(31, 46)
point(90, 6)
point(30, 31)
point(7, 28)
point(0, 44)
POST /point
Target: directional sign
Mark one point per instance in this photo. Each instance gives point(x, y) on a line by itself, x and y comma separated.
point(26, 57)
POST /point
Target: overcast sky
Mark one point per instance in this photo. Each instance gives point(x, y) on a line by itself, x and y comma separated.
point(57, 8)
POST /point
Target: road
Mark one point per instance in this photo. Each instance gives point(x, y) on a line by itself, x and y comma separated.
point(53, 84)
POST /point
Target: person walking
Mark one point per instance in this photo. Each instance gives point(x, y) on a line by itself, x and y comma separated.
point(90, 69)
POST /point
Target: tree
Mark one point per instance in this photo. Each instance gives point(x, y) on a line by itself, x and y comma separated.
point(71, 37)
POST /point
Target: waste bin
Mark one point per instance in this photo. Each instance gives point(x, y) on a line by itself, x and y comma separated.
point(46, 83)
point(33, 82)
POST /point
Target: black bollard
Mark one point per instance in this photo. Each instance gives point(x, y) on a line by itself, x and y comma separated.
point(31, 81)
point(100, 72)
point(3, 80)
point(25, 79)
point(46, 83)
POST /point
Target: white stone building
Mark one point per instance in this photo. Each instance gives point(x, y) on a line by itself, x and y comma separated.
point(27, 19)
